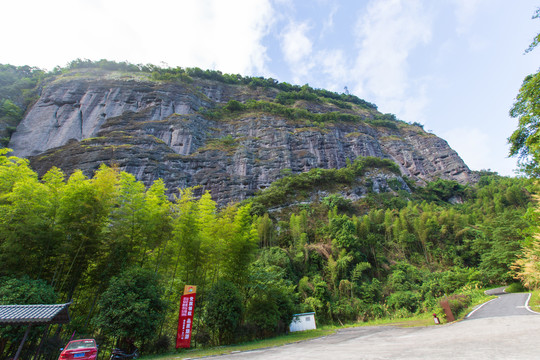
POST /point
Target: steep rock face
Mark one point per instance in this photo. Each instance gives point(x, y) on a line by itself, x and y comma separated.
point(75, 110)
point(75, 107)
point(425, 156)
point(160, 130)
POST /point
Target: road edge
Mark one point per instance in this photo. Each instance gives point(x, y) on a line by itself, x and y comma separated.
point(528, 307)
point(479, 307)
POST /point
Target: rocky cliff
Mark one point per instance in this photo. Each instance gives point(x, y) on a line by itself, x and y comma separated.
point(188, 133)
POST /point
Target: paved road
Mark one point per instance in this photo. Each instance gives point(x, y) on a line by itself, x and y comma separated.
point(505, 305)
point(485, 335)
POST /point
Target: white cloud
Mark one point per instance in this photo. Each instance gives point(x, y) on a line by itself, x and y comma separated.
point(387, 33)
point(334, 64)
point(297, 48)
point(328, 24)
point(226, 35)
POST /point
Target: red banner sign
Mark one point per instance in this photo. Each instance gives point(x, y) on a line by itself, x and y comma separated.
point(185, 321)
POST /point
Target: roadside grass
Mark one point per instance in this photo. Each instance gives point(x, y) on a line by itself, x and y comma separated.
point(425, 319)
point(534, 303)
point(419, 320)
point(516, 287)
point(478, 297)
point(254, 345)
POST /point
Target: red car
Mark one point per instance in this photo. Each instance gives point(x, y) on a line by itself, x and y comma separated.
point(83, 349)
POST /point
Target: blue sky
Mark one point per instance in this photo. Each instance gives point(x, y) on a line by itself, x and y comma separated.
point(453, 65)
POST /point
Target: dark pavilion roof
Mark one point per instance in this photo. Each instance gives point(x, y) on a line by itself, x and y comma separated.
point(34, 314)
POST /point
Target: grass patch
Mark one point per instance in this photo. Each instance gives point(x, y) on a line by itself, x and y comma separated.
point(478, 297)
point(516, 287)
point(534, 303)
point(226, 144)
point(424, 319)
point(391, 138)
point(223, 350)
point(463, 302)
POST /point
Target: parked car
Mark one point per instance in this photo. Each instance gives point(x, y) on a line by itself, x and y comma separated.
point(83, 349)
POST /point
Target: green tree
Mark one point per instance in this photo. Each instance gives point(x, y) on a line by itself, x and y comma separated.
point(525, 141)
point(270, 310)
point(132, 306)
point(266, 231)
point(527, 265)
point(81, 217)
point(270, 294)
point(223, 311)
point(240, 246)
point(22, 291)
point(501, 246)
point(26, 230)
point(126, 236)
point(158, 223)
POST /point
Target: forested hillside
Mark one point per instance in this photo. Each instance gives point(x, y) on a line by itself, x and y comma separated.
point(123, 252)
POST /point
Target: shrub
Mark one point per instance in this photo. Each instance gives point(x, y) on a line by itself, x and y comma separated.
point(371, 311)
point(457, 302)
point(337, 201)
point(234, 105)
point(405, 277)
point(263, 313)
point(408, 300)
point(161, 345)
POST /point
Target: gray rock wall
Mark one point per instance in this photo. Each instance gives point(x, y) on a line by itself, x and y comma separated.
point(156, 130)
point(76, 110)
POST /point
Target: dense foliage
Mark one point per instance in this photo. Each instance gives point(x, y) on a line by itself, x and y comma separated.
point(123, 252)
point(84, 237)
point(409, 256)
point(525, 140)
point(95, 240)
point(527, 266)
point(525, 144)
point(132, 306)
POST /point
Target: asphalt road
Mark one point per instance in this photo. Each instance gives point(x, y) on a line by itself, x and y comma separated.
point(504, 305)
point(500, 329)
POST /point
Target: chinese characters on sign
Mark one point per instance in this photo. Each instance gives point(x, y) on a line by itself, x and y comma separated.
point(185, 318)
